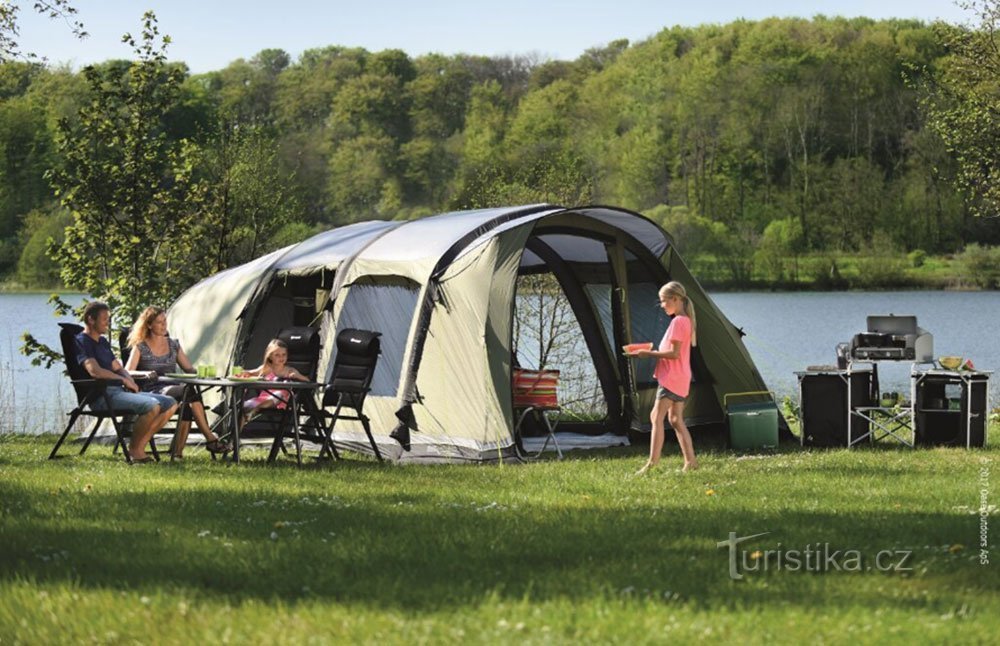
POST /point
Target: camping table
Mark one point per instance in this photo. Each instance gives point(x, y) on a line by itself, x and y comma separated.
point(233, 391)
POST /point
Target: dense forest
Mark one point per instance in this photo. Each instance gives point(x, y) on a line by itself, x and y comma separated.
point(752, 142)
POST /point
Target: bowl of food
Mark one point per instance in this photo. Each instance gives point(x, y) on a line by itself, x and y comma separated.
point(950, 362)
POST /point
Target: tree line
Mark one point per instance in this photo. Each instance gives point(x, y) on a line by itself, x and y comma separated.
point(751, 142)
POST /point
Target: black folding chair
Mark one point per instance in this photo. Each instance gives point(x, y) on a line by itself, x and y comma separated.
point(350, 382)
point(89, 391)
point(303, 349)
point(303, 355)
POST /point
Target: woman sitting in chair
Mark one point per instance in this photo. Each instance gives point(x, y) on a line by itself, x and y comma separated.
point(153, 350)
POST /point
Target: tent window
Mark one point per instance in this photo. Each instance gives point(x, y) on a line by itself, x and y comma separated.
point(600, 296)
point(385, 307)
point(649, 323)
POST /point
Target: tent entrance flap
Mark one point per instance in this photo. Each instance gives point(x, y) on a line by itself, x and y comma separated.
point(547, 335)
point(567, 311)
point(289, 301)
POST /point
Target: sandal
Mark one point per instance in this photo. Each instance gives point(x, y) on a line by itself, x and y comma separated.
point(217, 446)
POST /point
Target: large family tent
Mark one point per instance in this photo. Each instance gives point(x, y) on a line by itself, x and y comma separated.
point(441, 291)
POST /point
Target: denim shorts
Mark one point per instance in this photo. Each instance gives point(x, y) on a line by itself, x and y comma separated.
point(139, 403)
point(663, 393)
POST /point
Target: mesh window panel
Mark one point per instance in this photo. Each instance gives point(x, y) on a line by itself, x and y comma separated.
point(387, 307)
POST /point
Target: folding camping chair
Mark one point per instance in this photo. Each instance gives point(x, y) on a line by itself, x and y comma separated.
point(535, 393)
point(88, 391)
point(350, 382)
point(303, 355)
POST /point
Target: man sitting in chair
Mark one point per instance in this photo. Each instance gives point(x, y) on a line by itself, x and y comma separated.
point(95, 355)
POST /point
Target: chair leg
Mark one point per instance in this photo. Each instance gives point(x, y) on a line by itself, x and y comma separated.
point(551, 436)
point(326, 435)
point(278, 444)
point(518, 439)
point(90, 438)
point(298, 439)
point(73, 416)
point(328, 432)
point(371, 439)
point(121, 439)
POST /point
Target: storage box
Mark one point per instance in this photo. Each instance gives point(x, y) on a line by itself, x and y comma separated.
point(752, 425)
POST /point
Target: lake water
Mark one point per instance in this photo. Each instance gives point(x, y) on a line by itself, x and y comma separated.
point(785, 332)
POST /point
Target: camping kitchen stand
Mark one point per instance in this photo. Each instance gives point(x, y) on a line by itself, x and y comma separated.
point(895, 421)
point(928, 414)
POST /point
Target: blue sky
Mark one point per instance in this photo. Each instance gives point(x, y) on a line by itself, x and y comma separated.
point(209, 34)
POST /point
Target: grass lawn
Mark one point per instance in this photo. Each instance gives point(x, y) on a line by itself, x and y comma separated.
point(92, 550)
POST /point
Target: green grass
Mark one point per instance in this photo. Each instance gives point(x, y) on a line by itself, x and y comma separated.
point(92, 550)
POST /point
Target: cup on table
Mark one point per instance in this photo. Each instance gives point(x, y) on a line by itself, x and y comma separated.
point(237, 371)
point(210, 372)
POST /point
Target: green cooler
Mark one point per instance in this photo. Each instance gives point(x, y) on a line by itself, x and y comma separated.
point(752, 424)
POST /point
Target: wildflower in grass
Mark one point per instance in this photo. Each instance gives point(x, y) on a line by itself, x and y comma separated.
point(710, 492)
point(956, 548)
point(756, 554)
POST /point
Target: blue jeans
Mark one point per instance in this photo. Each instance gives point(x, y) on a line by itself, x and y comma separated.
point(139, 403)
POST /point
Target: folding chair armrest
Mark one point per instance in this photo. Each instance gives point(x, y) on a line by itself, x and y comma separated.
point(97, 382)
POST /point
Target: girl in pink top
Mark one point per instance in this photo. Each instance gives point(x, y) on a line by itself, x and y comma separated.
point(673, 373)
point(275, 367)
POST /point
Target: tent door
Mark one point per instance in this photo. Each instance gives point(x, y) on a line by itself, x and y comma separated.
point(591, 332)
point(287, 301)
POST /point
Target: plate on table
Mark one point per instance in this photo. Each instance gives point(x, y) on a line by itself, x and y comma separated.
point(235, 378)
point(181, 375)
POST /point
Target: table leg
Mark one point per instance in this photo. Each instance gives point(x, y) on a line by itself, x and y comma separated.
point(293, 396)
point(236, 411)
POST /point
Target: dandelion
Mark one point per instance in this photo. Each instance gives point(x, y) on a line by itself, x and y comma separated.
point(274, 536)
point(710, 492)
point(756, 554)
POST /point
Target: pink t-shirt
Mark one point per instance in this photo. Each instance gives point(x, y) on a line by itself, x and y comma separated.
point(675, 374)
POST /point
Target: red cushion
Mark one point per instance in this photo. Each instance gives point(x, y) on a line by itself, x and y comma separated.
point(535, 388)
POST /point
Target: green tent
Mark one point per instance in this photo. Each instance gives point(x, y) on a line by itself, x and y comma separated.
point(441, 290)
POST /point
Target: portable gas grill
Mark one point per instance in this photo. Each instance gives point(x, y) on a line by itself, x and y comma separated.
point(893, 338)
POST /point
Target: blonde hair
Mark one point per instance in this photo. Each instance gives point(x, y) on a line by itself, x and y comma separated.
point(272, 347)
point(673, 288)
point(141, 329)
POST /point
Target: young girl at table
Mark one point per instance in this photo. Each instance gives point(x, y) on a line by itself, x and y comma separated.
point(673, 374)
point(274, 368)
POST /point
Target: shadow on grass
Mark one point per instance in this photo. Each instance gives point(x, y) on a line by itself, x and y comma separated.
point(418, 548)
